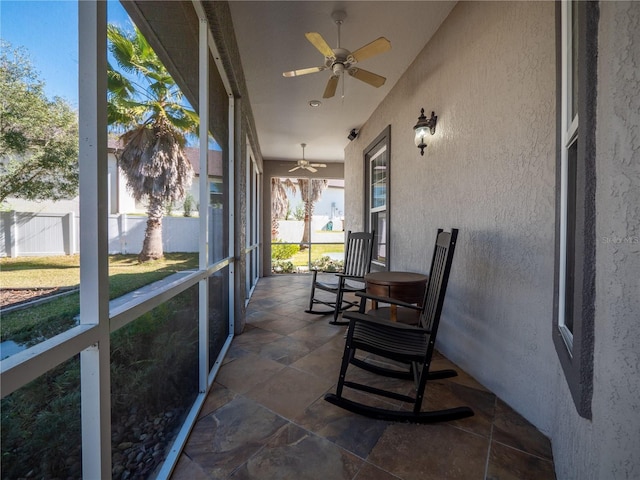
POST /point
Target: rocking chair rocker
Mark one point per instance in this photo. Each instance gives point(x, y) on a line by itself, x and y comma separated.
point(357, 263)
point(412, 346)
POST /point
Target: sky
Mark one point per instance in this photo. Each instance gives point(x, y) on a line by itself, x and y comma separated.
point(48, 29)
point(49, 32)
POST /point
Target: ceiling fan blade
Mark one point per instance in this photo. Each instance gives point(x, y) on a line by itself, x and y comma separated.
point(303, 71)
point(317, 41)
point(294, 169)
point(311, 169)
point(380, 45)
point(367, 77)
point(318, 165)
point(332, 84)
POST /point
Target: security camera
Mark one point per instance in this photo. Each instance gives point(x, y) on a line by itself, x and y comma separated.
point(352, 134)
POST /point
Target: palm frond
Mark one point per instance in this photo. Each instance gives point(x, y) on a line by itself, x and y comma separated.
point(182, 118)
point(193, 116)
point(118, 116)
point(118, 84)
point(121, 48)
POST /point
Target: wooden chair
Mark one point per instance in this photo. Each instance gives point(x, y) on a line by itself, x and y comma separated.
point(412, 346)
point(357, 263)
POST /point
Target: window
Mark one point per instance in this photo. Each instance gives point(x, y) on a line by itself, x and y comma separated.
point(376, 159)
point(575, 202)
point(568, 158)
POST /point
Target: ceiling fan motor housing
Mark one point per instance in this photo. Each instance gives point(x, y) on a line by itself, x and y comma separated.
point(341, 61)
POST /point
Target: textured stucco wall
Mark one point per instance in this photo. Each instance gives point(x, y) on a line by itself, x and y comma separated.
point(489, 75)
point(609, 447)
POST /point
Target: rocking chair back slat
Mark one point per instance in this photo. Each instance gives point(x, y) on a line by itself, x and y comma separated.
point(357, 260)
point(440, 267)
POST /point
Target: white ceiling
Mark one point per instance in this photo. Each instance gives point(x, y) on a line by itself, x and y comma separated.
point(270, 36)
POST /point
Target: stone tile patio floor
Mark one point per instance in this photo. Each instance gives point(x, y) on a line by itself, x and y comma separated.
point(265, 417)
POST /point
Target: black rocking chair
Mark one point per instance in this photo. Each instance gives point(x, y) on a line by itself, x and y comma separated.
point(412, 346)
point(357, 263)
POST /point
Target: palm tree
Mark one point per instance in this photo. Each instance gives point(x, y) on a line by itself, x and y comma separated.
point(279, 202)
point(146, 105)
point(311, 191)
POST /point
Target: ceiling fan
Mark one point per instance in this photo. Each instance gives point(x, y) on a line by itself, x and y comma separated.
point(306, 164)
point(339, 59)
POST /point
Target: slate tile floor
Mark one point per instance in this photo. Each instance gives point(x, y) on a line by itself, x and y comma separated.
point(265, 418)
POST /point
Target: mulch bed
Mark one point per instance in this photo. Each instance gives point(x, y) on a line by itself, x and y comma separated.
point(14, 296)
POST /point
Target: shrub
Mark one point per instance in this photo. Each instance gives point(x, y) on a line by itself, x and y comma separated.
point(298, 214)
point(188, 205)
point(326, 264)
point(280, 251)
point(283, 266)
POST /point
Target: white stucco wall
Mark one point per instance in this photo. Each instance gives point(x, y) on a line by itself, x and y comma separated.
point(489, 170)
point(489, 74)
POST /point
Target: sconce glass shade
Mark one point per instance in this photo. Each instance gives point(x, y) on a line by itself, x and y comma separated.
point(425, 125)
point(420, 134)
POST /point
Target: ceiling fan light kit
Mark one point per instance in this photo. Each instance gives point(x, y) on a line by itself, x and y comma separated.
point(340, 60)
point(425, 125)
point(307, 165)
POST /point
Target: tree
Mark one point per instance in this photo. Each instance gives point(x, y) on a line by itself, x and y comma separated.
point(311, 191)
point(145, 102)
point(279, 202)
point(38, 137)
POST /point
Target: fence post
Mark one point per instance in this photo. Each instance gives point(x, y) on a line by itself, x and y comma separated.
point(69, 224)
point(123, 233)
point(13, 235)
point(6, 220)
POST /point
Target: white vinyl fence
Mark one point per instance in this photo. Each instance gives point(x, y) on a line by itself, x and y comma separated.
point(39, 234)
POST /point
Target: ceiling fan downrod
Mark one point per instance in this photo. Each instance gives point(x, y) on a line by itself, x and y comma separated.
point(338, 17)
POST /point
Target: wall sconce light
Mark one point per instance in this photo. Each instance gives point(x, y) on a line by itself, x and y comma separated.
point(421, 128)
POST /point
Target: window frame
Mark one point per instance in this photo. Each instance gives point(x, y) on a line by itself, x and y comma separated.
point(382, 141)
point(574, 283)
point(569, 134)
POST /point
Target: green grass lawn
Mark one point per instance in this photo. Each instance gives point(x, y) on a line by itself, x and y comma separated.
point(317, 251)
point(44, 321)
point(64, 270)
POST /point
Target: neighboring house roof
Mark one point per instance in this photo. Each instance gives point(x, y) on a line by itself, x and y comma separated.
point(214, 160)
point(193, 155)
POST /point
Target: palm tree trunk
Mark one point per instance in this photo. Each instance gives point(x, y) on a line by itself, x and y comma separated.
point(306, 233)
point(152, 245)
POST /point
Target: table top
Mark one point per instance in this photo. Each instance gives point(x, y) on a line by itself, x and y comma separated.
point(395, 278)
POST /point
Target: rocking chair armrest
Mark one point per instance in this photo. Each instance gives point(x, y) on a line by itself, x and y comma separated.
point(355, 317)
point(315, 271)
point(350, 277)
point(392, 301)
